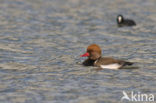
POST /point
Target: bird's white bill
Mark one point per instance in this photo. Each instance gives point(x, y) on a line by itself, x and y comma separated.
point(119, 18)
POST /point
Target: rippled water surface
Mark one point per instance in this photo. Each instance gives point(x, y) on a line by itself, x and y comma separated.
point(41, 40)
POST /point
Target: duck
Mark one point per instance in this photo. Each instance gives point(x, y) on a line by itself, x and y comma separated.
point(121, 21)
point(94, 54)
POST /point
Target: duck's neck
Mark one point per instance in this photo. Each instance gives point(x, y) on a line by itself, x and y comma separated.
point(97, 60)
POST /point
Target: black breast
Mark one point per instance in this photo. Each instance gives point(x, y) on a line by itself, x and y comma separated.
point(88, 62)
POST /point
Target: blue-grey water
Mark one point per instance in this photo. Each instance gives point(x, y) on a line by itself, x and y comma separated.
point(41, 40)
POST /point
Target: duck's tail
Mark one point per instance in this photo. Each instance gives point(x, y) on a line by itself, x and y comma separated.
point(127, 63)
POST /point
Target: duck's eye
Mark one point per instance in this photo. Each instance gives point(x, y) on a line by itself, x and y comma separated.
point(89, 51)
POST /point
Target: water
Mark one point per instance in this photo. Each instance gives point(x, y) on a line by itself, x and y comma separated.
point(41, 40)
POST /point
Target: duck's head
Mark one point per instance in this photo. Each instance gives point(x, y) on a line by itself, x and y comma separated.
point(120, 19)
point(93, 52)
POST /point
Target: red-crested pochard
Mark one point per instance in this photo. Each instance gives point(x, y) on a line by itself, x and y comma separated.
point(95, 59)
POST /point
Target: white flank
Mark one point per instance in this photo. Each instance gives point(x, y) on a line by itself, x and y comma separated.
point(111, 66)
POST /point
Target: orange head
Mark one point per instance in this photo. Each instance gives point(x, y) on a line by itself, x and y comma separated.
point(93, 52)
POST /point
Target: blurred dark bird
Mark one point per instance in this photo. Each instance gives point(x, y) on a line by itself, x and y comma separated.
point(124, 22)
